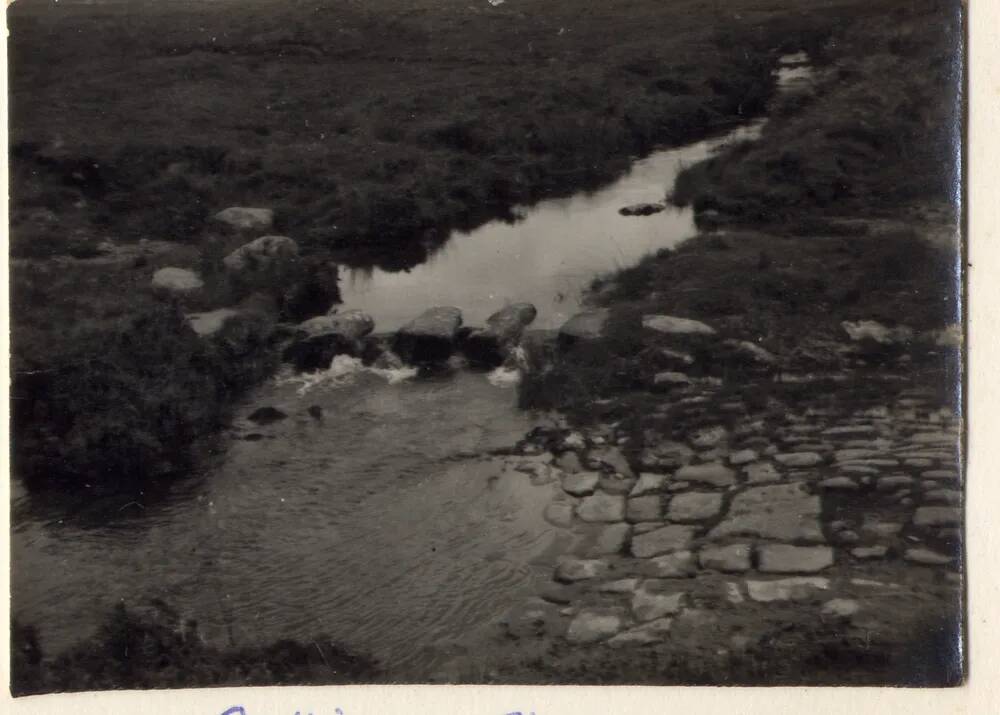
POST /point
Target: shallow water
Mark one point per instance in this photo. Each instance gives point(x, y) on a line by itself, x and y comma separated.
point(381, 524)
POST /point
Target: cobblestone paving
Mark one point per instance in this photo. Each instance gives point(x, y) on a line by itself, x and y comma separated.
point(847, 514)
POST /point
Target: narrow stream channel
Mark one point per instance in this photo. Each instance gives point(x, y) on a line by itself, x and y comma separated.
point(376, 524)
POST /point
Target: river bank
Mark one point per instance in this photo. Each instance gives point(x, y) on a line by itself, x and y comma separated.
point(566, 112)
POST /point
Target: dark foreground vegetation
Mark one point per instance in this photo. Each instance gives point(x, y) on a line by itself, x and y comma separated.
point(370, 129)
point(153, 648)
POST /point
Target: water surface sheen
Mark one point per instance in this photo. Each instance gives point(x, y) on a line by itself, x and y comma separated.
point(374, 524)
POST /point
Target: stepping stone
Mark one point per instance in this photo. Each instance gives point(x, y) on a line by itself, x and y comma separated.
point(594, 625)
point(744, 456)
point(937, 516)
point(648, 482)
point(781, 511)
point(762, 473)
point(729, 559)
point(694, 506)
point(652, 632)
point(646, 508)
point(788, 589)
point(570, 569)
point(674, 537)
point(785, 558)
point(679, 564)
point(927, 557)
point(799, 459)
point(718, 475)
point(602, 508)
point(651, 602)
point(559, 514)
point(581, 483)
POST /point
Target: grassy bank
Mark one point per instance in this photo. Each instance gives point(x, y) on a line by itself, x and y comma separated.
point(153, 648)
point(842, 211)
point(370, 129)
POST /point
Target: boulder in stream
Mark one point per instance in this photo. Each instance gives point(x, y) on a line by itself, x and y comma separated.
point(491, 345)
point(430, 337)
point(262, 255)
point(319, 340)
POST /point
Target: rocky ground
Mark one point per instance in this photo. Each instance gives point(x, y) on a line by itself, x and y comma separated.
point(833, 521)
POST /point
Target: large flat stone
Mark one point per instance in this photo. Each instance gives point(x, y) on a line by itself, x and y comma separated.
point(645, 508)
point(694, 506)
point(648, 483)
point(780, 511)
point(581, 483)
point(610, 539)
point(788, 589)
point(786, 558)
point(714, 473)
point(733, 558)
point(602, 508)
point(937, 516)
point(674, 537)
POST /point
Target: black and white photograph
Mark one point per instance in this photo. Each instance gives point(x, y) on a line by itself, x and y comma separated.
point(487, 342)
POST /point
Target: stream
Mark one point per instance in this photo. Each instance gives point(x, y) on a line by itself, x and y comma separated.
point(385, 523)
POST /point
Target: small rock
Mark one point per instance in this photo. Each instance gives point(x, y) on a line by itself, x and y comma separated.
point(762, 473)
point(669, 379)
point(674, 537)
point(694, 506)
point(927, 557)
point(557, 593)
point(651, 602)
point(602, 508)
point(622, 585)
point(246, 219)
point(611, 539)
point(712, 473)
point(799, 459)
point(581, 483)
point(785, 558)
point(177, 280)
point(263, 255)
point(788, 589)
point(887, 484)
point(645, 508)
point(559, 514)
point(927, 516)
point(841, 608)
point(671, 325)
point(839, 483)
point(743, 456)
point(593, 625)
point(729, 559)
point(648, 482)
point(869, 552)
point(679, 564)
point(570, 569)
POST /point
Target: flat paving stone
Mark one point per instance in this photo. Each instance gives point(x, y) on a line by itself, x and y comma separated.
point(733, 558)
point(646, 634)
point(649, 483)
point(786, 558)
point(622, 585)
point(674, 537)
point(569, 569)
point(714, 473)
point(602, 508)
point(610, 539)
point(647, 508)
point(869, 552)
point(927, 557)
point(594, 625)
point(788, 589)
point(798, 459)
point(928, 516)
point(679, 564)
point(743, 456)
point(782, 511)
point(694, 506)
point(580, 483)
point(651, 601)
point(762, 473)
point(559, 514)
